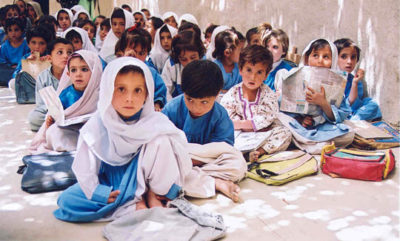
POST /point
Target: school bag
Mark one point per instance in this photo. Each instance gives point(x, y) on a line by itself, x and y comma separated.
point(47, 172)
point(282, 167)
point(355, 164)
point(378, 143)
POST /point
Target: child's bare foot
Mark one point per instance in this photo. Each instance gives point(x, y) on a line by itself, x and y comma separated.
point(152, 200)
point(228, 188)
point(141, 205)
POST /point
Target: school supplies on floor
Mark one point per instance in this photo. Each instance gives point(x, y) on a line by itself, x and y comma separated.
point(282, 167)
point(354, 164)
point(47, 172)
point(249, 141)
point(390, 140)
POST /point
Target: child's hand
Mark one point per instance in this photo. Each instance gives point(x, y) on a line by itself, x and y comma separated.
point(359, 76)
point(307, 121)
point(157, 107)
point(49, 121)
point(315, 97)
point(45, 58)
point(113, 196)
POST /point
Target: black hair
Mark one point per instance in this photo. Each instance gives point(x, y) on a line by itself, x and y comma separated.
point(14, 21)
point(224, 40)
point(106, 22)
point(118, 13)
point(256, 54)
point(52, 44)
point(11, 6)
point(191, 27)
point(131, 69)
point(210, 29)
point(125, 6)
point(164, 29)
point(316, 45)
point(202, 78)
point(250, 33)
point(73, 34)
point(144, 10)
point(86, 21)
point(157, 22)
point(100, 16)
point(136, 36)
point(186, 40)
point(47, 19)
point(41, 31)
point(239, 34)
point(74, 56)
point(345, 43)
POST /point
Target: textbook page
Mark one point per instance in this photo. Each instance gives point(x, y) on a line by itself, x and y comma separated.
point(294, 89)
point(34, 67)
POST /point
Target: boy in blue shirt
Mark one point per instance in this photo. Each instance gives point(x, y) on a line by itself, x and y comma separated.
point(205, 121)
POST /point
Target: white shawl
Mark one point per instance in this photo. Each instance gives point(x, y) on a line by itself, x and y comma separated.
point(158, 55)
point(86, 42)
point(334, 65)
point(211, 47)
point(188, 18)
point(170, 14)
point(82, 10)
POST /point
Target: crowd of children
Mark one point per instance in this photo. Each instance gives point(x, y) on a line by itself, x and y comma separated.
point(164, 101)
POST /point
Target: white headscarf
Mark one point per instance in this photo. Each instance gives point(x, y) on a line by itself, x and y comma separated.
point(82, 10)
point(170, 14)
point(115, 141)
point(86, 104)
point(140, 12)
point(108, 48)
point(69, 12)
point(77, 8)
point(188, 18)
point(98, 42)
point(86, 42)
point(211, 47)
point(334, 65)
point(158, 55)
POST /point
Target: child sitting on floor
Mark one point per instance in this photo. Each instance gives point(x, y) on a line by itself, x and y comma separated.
point(79, 39)
point(252, 105)
point(207, 123)
point(64, 18)
point(78, 91)
point(361, 108)
point(311, 133)
point(60, 50)
point(13, 49)
point(120, 165)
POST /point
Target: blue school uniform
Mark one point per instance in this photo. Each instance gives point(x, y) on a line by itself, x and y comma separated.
point(362, 108)
point(69, 96)
point(230, 79)
point(214, 126)
point(160, 90)
point(12, 56)
point(270, 81)
point(2, 35)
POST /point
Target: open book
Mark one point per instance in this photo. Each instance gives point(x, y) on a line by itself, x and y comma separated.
point(294, 89)
point(250, 141)
point(56, 110)
point(367, 130)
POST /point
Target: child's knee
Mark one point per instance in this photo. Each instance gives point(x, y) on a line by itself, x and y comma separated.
point(36, 119)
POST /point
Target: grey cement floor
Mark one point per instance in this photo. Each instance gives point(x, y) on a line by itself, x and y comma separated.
point(313, 208)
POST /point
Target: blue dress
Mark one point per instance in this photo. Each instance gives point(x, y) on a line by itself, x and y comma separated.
point(230, 79)
point(362, 108)
point(160, 90)
point(214, 126)
point(10, 55)
point(270, 81)
point(69, 96)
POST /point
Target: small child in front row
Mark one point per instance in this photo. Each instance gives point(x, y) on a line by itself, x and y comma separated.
point(78, 91)
point(59, 51)
point(13, 49)
point(206, 122)
point(311, 133)
point(277, 42)
point(120, 165)
point(252, 105)
point(361, 108)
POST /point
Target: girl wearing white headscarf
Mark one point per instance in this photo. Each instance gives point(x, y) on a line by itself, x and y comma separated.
point(119, 159)
point(82, 10)
point(63, 24)
point(211, 47)
point(107, 51)
point(311, 133)
point(86, 43)
point(170, 18)
point(59, 139)
point(187, 17)
point(158, 54)
point(76, 8)
point(142, 21)
point(37, 11)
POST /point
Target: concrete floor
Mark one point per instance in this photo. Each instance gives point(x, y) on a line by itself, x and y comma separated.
point(313, 208)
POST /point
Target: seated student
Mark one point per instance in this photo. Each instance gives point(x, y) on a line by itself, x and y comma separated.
point(146, 13)
point(12, 50)
point(127, 170)
point(361, 108)
point(120, 20)
point(90, 28)
point(59, 50)
point(140, 19)
point(64, 18)
point(252, 105)
point(153, 25)
point(186, 47)
point(188, 26)
point(104, 29)
point(226, 54)
point(208, 33)
point(311, 133)
point(205, 121)
point(78, 91)
point(49, 20)
point(79, 39)
point(34, 11)
point(277, 42)
point(81, 14)
point(98, 20)
point(137, 43)
point(162, 46)
point(171, 19)
point(126, 7)
point(253, 36)
point(188, 18)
